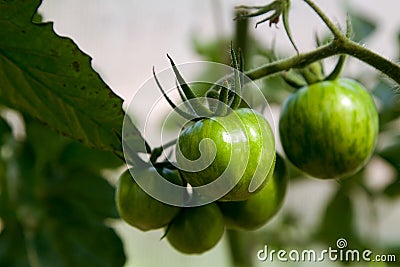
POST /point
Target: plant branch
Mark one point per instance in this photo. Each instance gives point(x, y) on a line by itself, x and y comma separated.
point(336, 47)
point(341, 44)
point(297, 61)
point(391, 69)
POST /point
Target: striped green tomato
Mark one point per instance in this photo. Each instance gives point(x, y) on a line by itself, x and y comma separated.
point(139, 209)
point(256, 211)
point(239, 147)
point(329, 129)
point(196, 229)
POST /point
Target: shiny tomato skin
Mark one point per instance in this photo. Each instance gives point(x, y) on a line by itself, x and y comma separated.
point(139, 209)
point(329, 129)
point(243, 140)
point(260, 208)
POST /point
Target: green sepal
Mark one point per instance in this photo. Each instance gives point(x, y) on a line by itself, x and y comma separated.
point(211, 96)
point(170, 102)
point(294, 79)
point(312, 73)
point(237, 74)
point(285, 19)
point(200, 109)
point(222, 102)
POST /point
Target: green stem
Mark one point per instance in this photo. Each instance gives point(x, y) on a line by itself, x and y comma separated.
point(240, 252)
point(241, 34)
point(297, 61)
point(337, 46)
point(391, 69)
point(340, 45)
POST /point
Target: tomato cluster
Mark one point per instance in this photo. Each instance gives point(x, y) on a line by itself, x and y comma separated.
point(198, 229)
point(328, 129)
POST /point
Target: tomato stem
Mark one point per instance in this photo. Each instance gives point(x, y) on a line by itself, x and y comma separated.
point(336, 47)
point(341, 44)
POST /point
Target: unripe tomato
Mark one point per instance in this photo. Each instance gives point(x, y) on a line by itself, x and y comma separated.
point(242, 140)
point(139, 209)
point(196, 229)
point(256, 211)
point(329, 129)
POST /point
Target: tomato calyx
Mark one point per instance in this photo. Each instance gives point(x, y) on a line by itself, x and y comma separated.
point(221, 99)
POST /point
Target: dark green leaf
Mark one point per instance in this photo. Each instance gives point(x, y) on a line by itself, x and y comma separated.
point(75, 154)
point(60, 208)
point(83, 190)
point(40, 137)
point(362, 26)
point(66, 151)
point(50, 79)
point(13, 252)
point(4, 130)
point(68, 238)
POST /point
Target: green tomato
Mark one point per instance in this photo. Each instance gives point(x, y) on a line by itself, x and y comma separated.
point(242, 148)
point(196, 229)
point(139, 209)
point(256, 211)
point(329, 129)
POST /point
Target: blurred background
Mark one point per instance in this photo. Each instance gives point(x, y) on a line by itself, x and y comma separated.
point(127, 38)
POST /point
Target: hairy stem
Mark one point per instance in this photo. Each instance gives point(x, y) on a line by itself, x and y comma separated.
point(241, 34)
point(297, 61)
point(391, 69)
point(341, 45)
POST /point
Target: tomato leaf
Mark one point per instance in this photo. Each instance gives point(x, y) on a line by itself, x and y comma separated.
point(47, 77)
point(56, 210)
point(13, 252)
point(4, 130)
point(78, 155)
